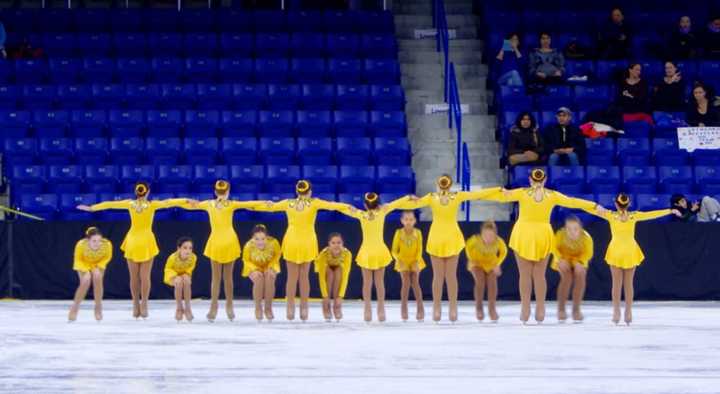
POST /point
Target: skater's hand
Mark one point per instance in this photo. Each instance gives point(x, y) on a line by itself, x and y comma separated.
point(601, 210)
point(506, 192)
point(676, 213)
point(84, 207)
point(193, 203)
point(269, 203)
point(497, 271)
point(414, 198)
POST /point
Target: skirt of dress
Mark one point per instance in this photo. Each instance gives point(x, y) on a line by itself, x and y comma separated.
point(532, 240)
point(624, 255)
point(140, 246)
point(223, 247)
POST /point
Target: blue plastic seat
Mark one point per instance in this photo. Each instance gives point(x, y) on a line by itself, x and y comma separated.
point(91, 19)
point(271, 70)
point(201, 70)
point(163, 150)
point(688, 69)
point(95, 44)
point(50, 123)
point(308, 70)
point(706, 157)
point(98, 70)
point(78, 97)
point(102, 178)
point(39, 96)
point(387, 98)
point(14, 124)
point(675, 179)
point(126, 150)
point(272, 44)
point(392, 151)
point(65, 70)
point(283, 96)
point(178, 96)
point(281, 178)
point(142, 96)
point(200, 44)
point(651, 202)
point(133, 70)
point(175, 179)
point(709, 69)
point(204, 177)
point(249, 96)
point(554, 97)
point(314, 124)
point(56, 150)
point(277, 151)
point(666, 152)
point(707, 179)
point(633, 151)
point(69, 202)
point(350, 123)
point(19, 150)
point(246, 178)
point(589, 97)
point(65, 178)
point(343, 45)
point(202, 150)
point(520, 174)
point(59, 45)
point(107, 96)
point(130, 44)
point(201, 123)
point(9, 96)
point(236, 44)
point(640, 179)
point(239, 150)
point(276, 124)
point(354, 151)
point(269, 21)
point(236, 70)
point(307, 45)
point(568, 179)
point(164, 123)
point(88, 123)
point(125, 20)
point(30, 71)
point(382, 71)
point(322, 177)
point(388, 124)
point(318, 96)
point(131, 174)
point(92, 150)
point(130, 123)
point(111, 215)
point(512, 97)
point(379, 46)
point(235, 20)
point(610, 70)
point(43, 205)
point(346, 70)
point(395, 179)
point(305, 21)
point(315, 151)
point(165, 44)
point(637, 129)
point(198, 20)
point(28, 178)
point(341, 21)
point(352, 97)
point(238, 123)
point(167, 69)
point(600, 151)
point(214, 96)
point(356, 179)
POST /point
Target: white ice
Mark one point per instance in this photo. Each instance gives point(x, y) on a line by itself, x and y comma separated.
point(673, 347)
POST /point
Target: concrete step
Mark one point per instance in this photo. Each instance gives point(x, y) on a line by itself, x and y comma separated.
point(408, 32)
point(430, 44)
point(418, 107)
point(425, 8)
point(454, 21)
point(430, 56)
point(436, 95)
point(462, 71)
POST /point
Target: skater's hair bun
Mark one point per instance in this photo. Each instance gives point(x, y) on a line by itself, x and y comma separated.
point(92, 231)
point(445, 182)
point(372, 200)
point(622, 200)
point(489, 225)
point(302, 187)
point(222, 186)
point(142, 189)
point(537, 175)
point(259, 228)
point(181, 241)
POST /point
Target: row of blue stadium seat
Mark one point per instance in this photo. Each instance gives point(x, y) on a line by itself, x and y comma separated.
point(200, 178)
point(212, 44)
point(631, 179)
point(201, 70)
point(231, 150)
point(223, 20)
point(640, 151)
point(203, 96)
point(63, 206)
point(203, 123)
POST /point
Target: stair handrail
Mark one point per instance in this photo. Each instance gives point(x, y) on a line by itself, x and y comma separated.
point(466, 178)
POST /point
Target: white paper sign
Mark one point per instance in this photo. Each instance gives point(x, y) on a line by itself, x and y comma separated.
point(691, 138)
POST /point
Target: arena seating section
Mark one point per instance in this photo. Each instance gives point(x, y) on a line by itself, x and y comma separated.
point(183, 98)
point(646, 161)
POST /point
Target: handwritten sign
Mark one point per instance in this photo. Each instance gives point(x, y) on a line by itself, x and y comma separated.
point(691, 138)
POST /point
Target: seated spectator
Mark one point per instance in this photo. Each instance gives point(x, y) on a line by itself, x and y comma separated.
point(706, 210)
point(669, 94)
point(510, 59)
point(614, 37)
point(632, 98)
point(701, 112)
point(3, 37)
point(526, 144)
point(710, 39)
point(682, 43)
point(564, 140)
point(547, 65)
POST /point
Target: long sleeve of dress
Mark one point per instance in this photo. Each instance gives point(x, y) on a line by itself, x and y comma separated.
point(501, 195)
point(649, 215)
point(123, 204)
point(396, 204)
point(245, 204)
point(329, 205)
point(169, 203)
point(395, 249)
point(346, 267)
point(479, 194)
point(571, 202)
point(202, 205)
point(279, 206)
point(502, 252)
point(588, 249)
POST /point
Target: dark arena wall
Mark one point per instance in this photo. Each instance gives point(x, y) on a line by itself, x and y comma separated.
point(36, 260)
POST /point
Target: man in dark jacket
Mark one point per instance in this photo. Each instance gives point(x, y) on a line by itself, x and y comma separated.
point(564, 140)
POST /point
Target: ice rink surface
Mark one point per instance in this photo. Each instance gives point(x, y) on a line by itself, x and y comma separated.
point(673, 347)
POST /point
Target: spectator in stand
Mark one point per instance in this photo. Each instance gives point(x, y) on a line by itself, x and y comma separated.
point(526, 144)
point(710, 39)
point(632, 98)
point(669, 94)
point(614, 37)
point(564, 140)
point(510, 59)
point(547, 65)
point(3, 37)
point(706, 210)
point(701, 112)
point(682, 43)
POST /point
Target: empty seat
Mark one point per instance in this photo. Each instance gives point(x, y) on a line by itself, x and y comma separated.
point(131, 174)
point(379, 46)
point(102, 178)
point(56, 150)
point(343, 45)
point(314, 124)
point(392, 151)
point(142, 96)
point(388, 123)
point(164, 123)
point(178, 96)
point(238, 123)
point(130, 44)
point(175, 179)
point(350, 123)
point(43, 205)
point(345, 70)
point(204, 177)
point(385, 71)
point(107, 96)
point(279, 151)
point(94, 44)
point(214, 96)
point(283, 96)
point(69, 202)
point(322, 177)
point(200, 44)
point(633, 151)
point(239, 150)
point(249, 96)
point(28, 178)
point(387, 97)
point(201, 150)
point(600, 151)
point(354, 151)
point(707, 178)
point(78, 97)
point(568, 179)
point(50, 123)
point(308, 70)
point(305, 21)
point(315, 151)
point(675, 179)
point(652, 202)
point(246, 179)
point(166, 44)
point(167, 69)
point(276, 124)
point(666, 152)
point(198, 20)
point(201, 70)
point(590, 97)
point(236, 70)
point(98, 70)
point(65, 178)
point(203, 123)
point(88, 123)
point(236, 44)
point(272, 44)
point(133, 70)
point(126, 150)
point(129, 123)
point(304, 44)
point(9, 96)
point(395, 179)
point(352, 97)
point(271, 70)
point(356, 179)
point(59, 45)
point(39, 96)
point(92, 150)
point(30, 70)
point(14, 124)
point(163, 150)
point(281, 178)
point(318, 96)
point(65, 70)
point(640, 179)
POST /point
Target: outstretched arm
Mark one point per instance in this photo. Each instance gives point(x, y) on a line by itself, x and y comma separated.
point(195, 205)
point(414, 202)
point(172, 203)
point(504, 195)
point(329, 205)
point(270, 206)
point(349, 210)
point(650, 215)
point(246, 204)
point(571, 202)
point(480, 194)
point(396, 204)
point(122, 204)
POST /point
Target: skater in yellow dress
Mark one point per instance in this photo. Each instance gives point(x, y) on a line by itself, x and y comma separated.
point(139, 246)
point(261, 263)
point(623, 253)
point(333, 268)
point(445, 240)
point(92, 255)
point(485, 254)
point(223, 246)
point(407, 250)
point(572, 252)
point(532, 236)
point(373, 255)
point(300, 243)
point(179, 268)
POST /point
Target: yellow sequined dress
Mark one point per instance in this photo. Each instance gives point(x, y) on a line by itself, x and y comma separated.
point(87, 259)
point(256, 259)
point(407, 249)
point(484, 256)
point(175, 266)
point(326, 260)
point(573, 251)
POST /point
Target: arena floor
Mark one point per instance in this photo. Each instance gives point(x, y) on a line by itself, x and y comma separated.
point(674, 347)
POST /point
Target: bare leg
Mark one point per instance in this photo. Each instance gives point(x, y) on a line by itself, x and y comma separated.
point(451, 264)
point(330, 282)
point(379, 277)
point(145, 284)
point(134, 273)
point(215, 281)
point(617, 284)
point(335, 293)
point(417, 292)
point(438, 267)
point(563, 290)
point(540, 284)
point(304, 277)
point(98, 290)
point(525, 267)
point(479, 291)
point(628, 282)
point(187, 295)
point(580, 279)
point(492, 292)
point(178, 286)
point(258, 280)
point(367, 293)
point(227, 273)
point(269, 295)
point(404, 294)
point(80, 293)
point(291, 288)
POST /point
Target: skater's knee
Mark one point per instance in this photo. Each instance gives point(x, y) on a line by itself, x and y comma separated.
point(580, 272)
point(187, 280)
point(270, 275)
point(85, 279)
point(178, 281)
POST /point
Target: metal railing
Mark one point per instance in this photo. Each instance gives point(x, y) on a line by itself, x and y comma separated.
point(466, 178)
